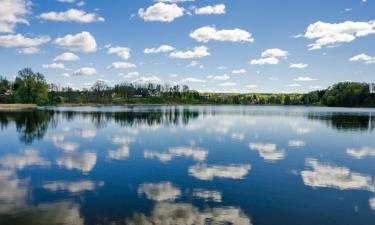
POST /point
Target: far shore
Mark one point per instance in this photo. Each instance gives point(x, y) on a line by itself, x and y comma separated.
point(18, 106)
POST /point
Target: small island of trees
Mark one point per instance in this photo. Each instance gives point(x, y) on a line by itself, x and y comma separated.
point(31, 88)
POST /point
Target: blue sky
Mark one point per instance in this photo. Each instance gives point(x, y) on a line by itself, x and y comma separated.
point(220, 46)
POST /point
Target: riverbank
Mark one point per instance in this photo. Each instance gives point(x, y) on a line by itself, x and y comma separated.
point(17, 106)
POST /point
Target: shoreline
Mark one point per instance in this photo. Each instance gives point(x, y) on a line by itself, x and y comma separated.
point(17, 106)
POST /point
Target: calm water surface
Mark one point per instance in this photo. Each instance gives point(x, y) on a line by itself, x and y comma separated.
point(187, 165)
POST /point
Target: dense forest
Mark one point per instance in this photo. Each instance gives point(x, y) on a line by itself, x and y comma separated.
point(32, 88)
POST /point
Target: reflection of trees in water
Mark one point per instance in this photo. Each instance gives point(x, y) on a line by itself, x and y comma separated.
point(31, 125)
point(346, 121)
point(133, 118)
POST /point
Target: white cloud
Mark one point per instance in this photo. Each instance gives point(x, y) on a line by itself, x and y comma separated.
point(208, 10)
point(18, 40)
point(29, 157)
point(192, 80)
point(123, 140)
point(161, 12)
point(205, 172)
point(265, 61)
point(28, 50)
point(324, 175)
point(296, 143)
point(83, 41)
point(119, 154)
point(197, 52)
point(163, 157)
point(164, 191)
point(239, 71)
point(222, 77)
point(84, 71)
point(67, 1)
point(197, 154)
point(121, 65)
point(84, 161)
point(13, 12)
point(270, 57)
point(71, 15)
point(207, 195)
point(331, 34)
point(361, 153)
point(184, 214)
point(298, 65)
point(363, 58)
point(54, 66)
point(174, 1)
point(72, 187)
point(251, 86)
point(130, 75)
point(67, 146)
point(121, 52)
point(85, 133)
point(274, 53)
point(149, 79)
point(67, 56)
point(268, 151)
point(207, 33)
point(304, 79)
point(161, 49)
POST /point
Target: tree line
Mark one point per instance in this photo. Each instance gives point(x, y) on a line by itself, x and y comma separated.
point(31, 87)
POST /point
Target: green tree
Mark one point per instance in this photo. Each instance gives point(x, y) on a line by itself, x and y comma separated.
point(31, 87)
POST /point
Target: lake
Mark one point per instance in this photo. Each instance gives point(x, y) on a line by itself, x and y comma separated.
point(173, 165)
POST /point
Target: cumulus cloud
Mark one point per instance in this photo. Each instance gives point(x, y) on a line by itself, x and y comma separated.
point(183, 213)
point(84, 161)
point(268, 151)
point(72, 187)
point(121, 52)
point(161, 12)
point(197, 52)
point(121, 65)
point(67, 146)
point(85, 71)
point(192, 80)
point(211, 9)
point(206, 172)
point(13, 12)
point(296, 143)
point(298, 65)
point(363, 58)
point(130, 75)
point(149, 79)
point(270, 57)
point(239, 71)
point(325, 175)
point(119, 154)
point(207, 33)
point(228, 84)
point(161, 49)
point(304, 79)
point(361, 153)
point(28, 50)
point(71, 15)
point(18, 40)
point(207, 195)
point(54, 66)
point(29, 157)
point(197, 154)
point(222, 77)
point(331, 34)
point(164, 191)
point(66, 56)
point(83, 41)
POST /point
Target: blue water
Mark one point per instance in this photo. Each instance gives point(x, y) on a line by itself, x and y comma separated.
point(177, 165)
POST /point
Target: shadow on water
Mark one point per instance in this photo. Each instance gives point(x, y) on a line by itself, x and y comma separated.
point(33, 124)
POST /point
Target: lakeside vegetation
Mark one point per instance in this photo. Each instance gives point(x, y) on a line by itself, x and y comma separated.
point(31, 88)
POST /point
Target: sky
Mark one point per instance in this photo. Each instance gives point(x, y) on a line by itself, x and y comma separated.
point(242, 46)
